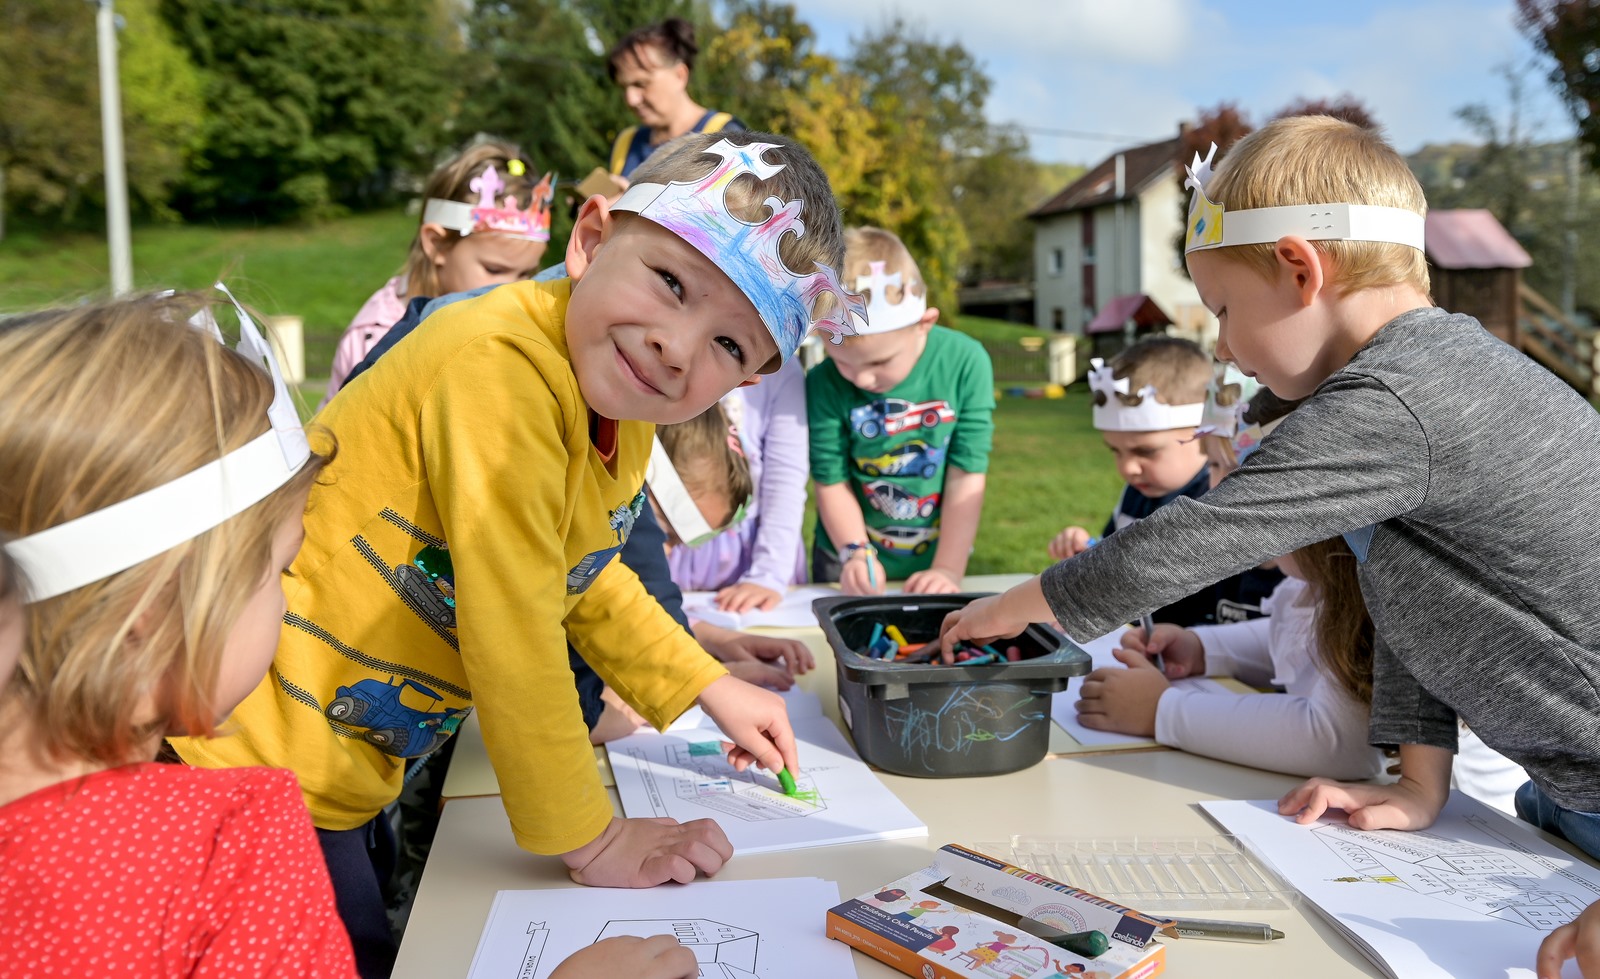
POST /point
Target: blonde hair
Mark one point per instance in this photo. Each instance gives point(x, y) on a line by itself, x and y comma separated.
point(702, 450)
point(452, 181)
point(1323, 160)
point(1343, 629)
point(98, 404)
point(685, 159)
point(865, 245)
point(1178, 369)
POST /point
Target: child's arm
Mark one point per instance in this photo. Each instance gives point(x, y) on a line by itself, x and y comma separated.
point(1411, 803)
point(785, 468)
point(859, 572)
point(960, 509)
point(1579, 940)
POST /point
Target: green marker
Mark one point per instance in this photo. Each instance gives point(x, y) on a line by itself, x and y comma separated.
point(787, 782)
point(1089, 944)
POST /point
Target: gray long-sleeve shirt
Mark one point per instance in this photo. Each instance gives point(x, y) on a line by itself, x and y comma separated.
point(1477, 475)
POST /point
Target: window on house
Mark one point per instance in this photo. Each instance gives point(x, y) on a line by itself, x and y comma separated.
point(1058, 319)
point(1058, 261)
point(1087, 238)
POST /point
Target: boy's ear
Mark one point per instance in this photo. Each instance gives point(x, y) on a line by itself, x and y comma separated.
point(928, 318)
point(433, 237)
point(750, 381)
point(589, 232)
point(1302, 263)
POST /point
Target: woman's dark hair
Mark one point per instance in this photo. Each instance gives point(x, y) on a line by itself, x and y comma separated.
point(673, 37)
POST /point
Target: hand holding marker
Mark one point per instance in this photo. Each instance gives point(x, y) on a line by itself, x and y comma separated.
point(1145, 622)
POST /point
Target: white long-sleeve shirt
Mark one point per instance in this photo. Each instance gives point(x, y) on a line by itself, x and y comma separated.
point(1314, 728)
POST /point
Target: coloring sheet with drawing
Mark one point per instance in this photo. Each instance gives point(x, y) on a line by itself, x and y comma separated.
point(793, 612)
point(1472, 895)
point(686, 775)
point(748, 929)
point(1064, 713)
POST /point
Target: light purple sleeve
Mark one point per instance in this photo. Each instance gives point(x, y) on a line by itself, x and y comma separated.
point(779, 401)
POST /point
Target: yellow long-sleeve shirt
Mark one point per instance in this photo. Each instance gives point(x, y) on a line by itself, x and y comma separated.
point(464, 532)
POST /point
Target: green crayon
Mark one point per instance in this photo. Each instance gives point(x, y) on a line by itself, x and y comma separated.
point(787, 782)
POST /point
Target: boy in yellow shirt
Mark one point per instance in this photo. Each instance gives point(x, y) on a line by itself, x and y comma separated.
point(489, 470)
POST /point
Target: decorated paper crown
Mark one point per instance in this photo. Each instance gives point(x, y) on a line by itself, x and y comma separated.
point(697, 212)
point(100, 544)
point(1149, 415)
point(882, 315)
point(1219, 419)
point(1211, 227)
point(683, 515)
point(496, 215)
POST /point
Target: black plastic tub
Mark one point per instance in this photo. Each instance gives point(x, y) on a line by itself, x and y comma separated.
point(938, 721)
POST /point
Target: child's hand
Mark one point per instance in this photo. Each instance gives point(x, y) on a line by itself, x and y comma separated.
point(745, 595)
point(766, 661)
point(660, 957)
point(647, 852)
point(1124, 701)
point(1178, 647)
point(1070, 542)
point(981, 621)
point(934, 581)
point(756, 721)
point(1403, 805)
point(855, 578)
point(1579, 940)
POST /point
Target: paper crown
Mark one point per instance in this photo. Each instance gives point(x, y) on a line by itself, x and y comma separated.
point(882, 315)
point(495, 215)
point(1211, 227)
point(1249, 440)
point(98, 545)
point(1149, 415)
point(682, 514)
point(1220, 419)
point(697, 211)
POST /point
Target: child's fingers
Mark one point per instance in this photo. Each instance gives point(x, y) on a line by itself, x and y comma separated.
point(1557, 947)
point(1134, 659)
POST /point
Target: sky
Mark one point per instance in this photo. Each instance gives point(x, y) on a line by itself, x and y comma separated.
point(1129, 70)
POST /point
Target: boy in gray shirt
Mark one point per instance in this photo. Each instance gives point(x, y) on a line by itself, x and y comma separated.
point(1465, 477)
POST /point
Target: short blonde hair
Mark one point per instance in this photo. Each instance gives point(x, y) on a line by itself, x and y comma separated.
point(702, 451)
point(685, 159)
point(865, 245)
point(1323, 160)
point(98, 404)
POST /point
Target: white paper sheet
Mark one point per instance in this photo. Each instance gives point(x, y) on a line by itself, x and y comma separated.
point(1064, 713)
point(794, 612)
point(685, 775)
point(757, 929)
point(803, 706)
point(1473, 895)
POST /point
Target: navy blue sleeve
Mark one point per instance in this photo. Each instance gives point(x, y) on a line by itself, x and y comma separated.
point(402, 326)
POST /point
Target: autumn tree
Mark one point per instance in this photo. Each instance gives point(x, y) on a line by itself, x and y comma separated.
point(1568, 31)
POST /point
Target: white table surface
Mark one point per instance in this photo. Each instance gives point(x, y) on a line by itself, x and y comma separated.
point(1112, 796)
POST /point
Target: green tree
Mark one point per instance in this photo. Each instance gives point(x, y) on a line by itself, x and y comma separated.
point(315, 104)
point(51, 157)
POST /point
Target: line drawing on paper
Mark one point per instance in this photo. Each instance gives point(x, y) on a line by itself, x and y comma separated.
point(1504, 885)
point(706, 779)
point(723, 951)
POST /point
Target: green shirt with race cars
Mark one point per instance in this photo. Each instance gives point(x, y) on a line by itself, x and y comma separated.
point(894, 448)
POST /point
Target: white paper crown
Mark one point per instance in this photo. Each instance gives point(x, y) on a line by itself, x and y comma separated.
point(1149, 415)
point(100, 544)
point(697, 212)
point(1210, 227)
point(1218, 419)
point(882, 315)
point(494, 215)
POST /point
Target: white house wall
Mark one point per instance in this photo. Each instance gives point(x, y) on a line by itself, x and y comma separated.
point(1060, 289)
point(1162, 275)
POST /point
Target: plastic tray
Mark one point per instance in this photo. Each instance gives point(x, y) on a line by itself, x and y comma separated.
point(1157, 876)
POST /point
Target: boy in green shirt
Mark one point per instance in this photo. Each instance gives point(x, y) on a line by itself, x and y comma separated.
point(900, 430)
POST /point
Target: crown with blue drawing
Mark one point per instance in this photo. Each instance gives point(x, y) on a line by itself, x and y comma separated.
point(882, 315)
point(98, 545)
point(493, 214)
point(1230, 384)
point(697, 211)
point(1212, 226)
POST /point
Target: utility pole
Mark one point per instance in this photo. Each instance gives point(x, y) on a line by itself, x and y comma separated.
point(118, 237)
